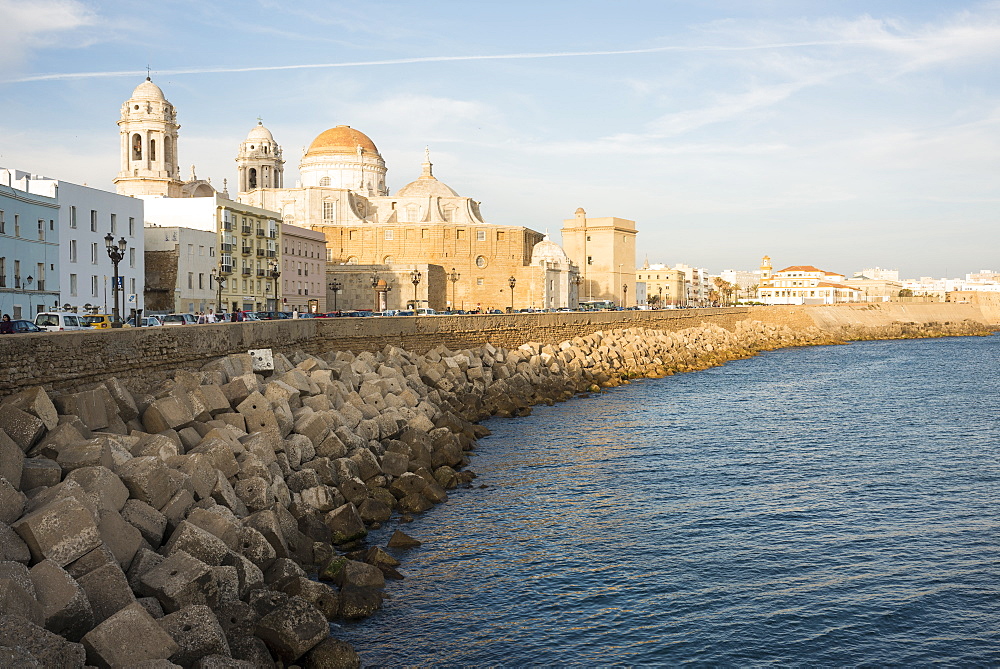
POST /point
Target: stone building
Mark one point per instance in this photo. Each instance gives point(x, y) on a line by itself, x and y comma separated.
point(343, 194)
point(604, 249)
point(303, 270)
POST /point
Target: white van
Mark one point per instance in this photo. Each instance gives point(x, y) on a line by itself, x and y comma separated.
point(425, 312)
point(54, 321)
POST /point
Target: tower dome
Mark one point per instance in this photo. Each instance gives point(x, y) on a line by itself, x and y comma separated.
point(148, 130)
point(259, 162)
point(426, 185)
point(147, 90)
point(548, 251)
point(343, 157)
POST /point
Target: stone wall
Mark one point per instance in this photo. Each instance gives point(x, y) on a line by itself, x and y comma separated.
point(63, 360)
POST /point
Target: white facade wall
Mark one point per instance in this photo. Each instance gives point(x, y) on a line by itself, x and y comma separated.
point(194, 291)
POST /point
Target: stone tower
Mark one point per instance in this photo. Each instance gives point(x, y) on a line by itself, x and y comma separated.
point(604, 250)
point(259, 161)
point(148, 128)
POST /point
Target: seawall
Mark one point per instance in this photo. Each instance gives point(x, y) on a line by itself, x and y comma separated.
point(70, 359)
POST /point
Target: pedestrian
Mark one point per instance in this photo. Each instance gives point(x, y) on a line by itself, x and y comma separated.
point(210, 317)
point(295, 312)
point(202, 318)
point(6, 327)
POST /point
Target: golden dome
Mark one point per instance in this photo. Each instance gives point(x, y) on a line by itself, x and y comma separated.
point(342, 139)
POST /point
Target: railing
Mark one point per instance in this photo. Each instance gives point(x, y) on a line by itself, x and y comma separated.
point(227, 248)
point(273, 234)
point(271, 254)
point(260, 272)
point(226, 269)
point(246, 271)
point(227, 225)
point(247, 250)
point(260, 252)
point(247, 230)
point(260, 232)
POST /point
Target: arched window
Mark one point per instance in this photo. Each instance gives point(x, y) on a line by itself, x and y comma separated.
point(353, 260)
point(152, 149)
point(324, 181)
point(387, 260)
point(253, 178)
point(136, 147)
point(168, 157)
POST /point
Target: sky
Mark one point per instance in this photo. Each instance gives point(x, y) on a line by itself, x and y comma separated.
point(844, 135)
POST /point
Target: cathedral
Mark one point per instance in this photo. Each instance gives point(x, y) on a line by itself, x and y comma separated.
point(424, 234)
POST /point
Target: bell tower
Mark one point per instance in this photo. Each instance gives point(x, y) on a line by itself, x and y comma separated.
point(259, 162)
point(148, 129)
point(765, 271)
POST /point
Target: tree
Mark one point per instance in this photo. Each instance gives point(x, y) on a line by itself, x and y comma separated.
point(905, 292)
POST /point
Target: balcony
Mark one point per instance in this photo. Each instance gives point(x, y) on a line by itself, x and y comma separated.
point(226, 269)
point(227, 226)
point(260, 273)
point(260, 253)
point(227, 248)
point(260, 232)
point(247, 230)
point(272, 234)
point(271, 254)
point(247, 250)
point(246, 271)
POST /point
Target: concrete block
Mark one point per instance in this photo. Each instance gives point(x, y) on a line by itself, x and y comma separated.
point(293, 629)
point(213, 399)
point(102, 482)
point(146, 640)
point(345, 524)
point(36, 402)
point(107, 590)
point(268, 525)
point(22, 427)
point(152, 606)
point(395, 464)
point(55, 440)
point(228, 580)
point(61, 531)
point(221, 453)
point(224, 527)
point(239, 388)
point(249, 575)
point(197, 543)
point(89, 406)
point(320, 595)
point(282, 571)
point(143, 561)
point(224, 494)
point(90, 561)
point(374, 511)
point(39, 473)
point(121, 538)
point(201, 472)
point(179, 581)
point(190, 437)
point(15, 599)
point(330, 653)
point(12, 547)
point(91, 453)
point(48, 649)
point(150, 523)
point(147, 480)
point(124, 401)
point(17, 572)
point(166, 413)
point(158, 446)
point(261, 359)
point(251, 649)
point(11, 461)
point(197, 633)
point(65, 607)
point(177, 508)
point(12, 501)
point(255, 493)
point(256, 548)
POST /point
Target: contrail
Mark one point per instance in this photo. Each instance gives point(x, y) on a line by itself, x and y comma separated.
point(440, 59)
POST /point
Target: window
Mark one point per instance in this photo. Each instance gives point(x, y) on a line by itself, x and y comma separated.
point(388, 235)
point(480, 281)
point(93, 286)
point(93, 253)
point(480, 235)
point(201, 281)
point(201, 250)
point(423, 233)
point(351, 235)
point(328, 209)
point(329, 255)
point(72, 285)
point(72, 250)
point(17, 225)
point(152, 149)
point(132, 285)
point(3, 272)
point(72, 217)
point(114, 224)
point(131, 257)
point(136, 147)
point(460, 234)
point(41, 230)
point(190, 279)
point(500, 236)
point(588, 238)
point(481, 261)
point(324, 181)
point(93, 218)
point(590, 260)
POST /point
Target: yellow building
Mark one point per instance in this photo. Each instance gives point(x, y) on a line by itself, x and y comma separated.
point(604, 249)
point(665, 287)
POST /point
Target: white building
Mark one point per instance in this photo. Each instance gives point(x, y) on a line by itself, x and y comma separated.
point(878, 274)
point(85, 271)
point(805, 284)
point(180, 263)
point(746, 282)
point(697, 284)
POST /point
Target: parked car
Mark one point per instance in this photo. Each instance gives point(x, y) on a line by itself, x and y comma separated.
point(23, 327)
point(54, 321)
point(147, 322)
point(180, 319)
point(425, 312)
point(97, 321)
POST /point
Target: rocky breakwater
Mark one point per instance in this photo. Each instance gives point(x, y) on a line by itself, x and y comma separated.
point(179, 524)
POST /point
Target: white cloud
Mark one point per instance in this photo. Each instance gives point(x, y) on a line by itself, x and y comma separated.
point(27, 26)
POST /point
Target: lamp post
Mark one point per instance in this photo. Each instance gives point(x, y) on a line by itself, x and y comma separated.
point(578, 280)
point(512, 281)
point(275, 273)
point(453, 276)
point(116, 252)
point(220, 282)
point(620, 265)
point(624, 295)
point(415, 280)
point(659, 303)
point(335, 287)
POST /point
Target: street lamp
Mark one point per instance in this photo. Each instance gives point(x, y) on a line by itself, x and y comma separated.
point(415, 280)
point(220, 281)
point(578, 281)
point(453, 276)
point(659, 303)
point(624, 295)
point(116, 252)
point(512, 281)
point(275, 273)
point(335, 287)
